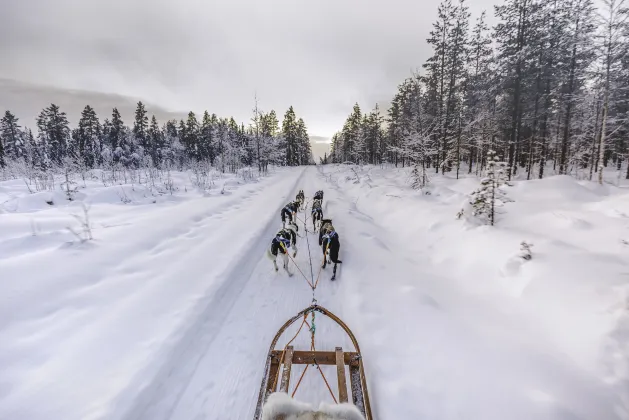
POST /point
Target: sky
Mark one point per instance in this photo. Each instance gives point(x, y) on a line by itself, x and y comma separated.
point(318, 56)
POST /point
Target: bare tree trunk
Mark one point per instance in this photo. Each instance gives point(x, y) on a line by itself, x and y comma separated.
point(594, 139)
point(601, 145)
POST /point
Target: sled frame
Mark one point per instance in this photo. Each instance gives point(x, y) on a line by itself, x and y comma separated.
point(358, 382)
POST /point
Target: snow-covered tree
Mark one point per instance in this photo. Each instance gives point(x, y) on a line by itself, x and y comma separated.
point(88, 138)
point(141, 126)
point(490, 194)
point(11, 136)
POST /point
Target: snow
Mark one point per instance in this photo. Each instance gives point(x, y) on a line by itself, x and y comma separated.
point(168, 313)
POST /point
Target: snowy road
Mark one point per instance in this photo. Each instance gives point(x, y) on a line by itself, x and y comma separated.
point(220, 372)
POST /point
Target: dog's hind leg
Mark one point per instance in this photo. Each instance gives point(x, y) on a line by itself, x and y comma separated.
point(285, 259)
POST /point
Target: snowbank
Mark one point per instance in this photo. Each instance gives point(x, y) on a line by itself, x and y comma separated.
point(86, 326)
point(479, 327)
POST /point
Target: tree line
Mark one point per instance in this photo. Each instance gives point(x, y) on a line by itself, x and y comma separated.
point(221, 142)
point(547, 85)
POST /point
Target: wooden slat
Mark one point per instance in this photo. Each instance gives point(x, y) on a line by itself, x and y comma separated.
point(322, 357)
point(340, 372)
point(288, 363)
point(275, 365)
point(357, 389)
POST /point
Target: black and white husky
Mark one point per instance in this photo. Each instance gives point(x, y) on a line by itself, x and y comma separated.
point(301, 197)
point(289, 212)
point(330, 245)
point(317, 214)
point(284, 240)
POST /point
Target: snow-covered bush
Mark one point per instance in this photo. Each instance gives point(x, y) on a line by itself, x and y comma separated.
point(525, 251)
point(420, 176)
point(491, 193)
point(85, 234)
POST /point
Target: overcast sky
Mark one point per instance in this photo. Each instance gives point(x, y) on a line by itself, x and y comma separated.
point(320, 56)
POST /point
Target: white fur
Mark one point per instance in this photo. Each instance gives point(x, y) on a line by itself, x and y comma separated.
point(279, 403)
point(273, 258)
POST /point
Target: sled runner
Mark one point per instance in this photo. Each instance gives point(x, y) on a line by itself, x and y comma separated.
point(277, 371)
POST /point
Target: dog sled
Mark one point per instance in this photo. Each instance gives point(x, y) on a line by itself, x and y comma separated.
point(279, 362)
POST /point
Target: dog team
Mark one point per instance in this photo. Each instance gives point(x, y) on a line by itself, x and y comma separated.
point(286, 238)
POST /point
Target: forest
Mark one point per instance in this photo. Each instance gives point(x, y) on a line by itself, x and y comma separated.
point(215, 142)
point(546, 88)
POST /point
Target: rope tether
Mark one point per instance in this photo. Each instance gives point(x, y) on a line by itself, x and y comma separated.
point(312, 327)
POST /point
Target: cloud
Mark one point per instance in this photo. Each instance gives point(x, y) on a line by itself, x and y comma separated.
point(319, 56)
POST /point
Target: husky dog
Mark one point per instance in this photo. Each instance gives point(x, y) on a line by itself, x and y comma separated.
point(317, 214)
point(288, 212)
point(318, 195)
point(330, 244)
point(300, 198)
point(284, 239)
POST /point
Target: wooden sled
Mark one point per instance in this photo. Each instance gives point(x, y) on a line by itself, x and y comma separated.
point(289, 356)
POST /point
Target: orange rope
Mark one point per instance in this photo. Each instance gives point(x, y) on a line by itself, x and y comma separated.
point(284, 351)
point(326, 382)
point(299, 382)
point(291, 258)
point(325, 254)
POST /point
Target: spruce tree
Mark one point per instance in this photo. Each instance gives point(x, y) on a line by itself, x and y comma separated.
point(156, 142)
point(205, 138)
point(289, 132)
point(490, 194)
point(141, 126)
point(54, 133)
point(116, 132)
point(2, 161)
point(191, 136)
point(11, 136)
point(88, 138)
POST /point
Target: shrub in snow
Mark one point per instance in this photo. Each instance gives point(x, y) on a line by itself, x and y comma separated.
point(491, 192)
point(69, 186)
point(525, 251)
point(281, 406)
point(420, 177)
point(85, 234)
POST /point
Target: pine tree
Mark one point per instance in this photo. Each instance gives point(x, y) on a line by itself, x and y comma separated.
point(191, 136)
point(581, 27)
point(513, 33)
point(88, 138)
point(116, 133)
point(11, 136)
point(490, 193)
point(437, 73)
point(615, 21)
point(2, 161)
point(156, 142)
point(479, 94)
point(289, 132)
point(141, 125)
point(54, 132)
point(206, 151)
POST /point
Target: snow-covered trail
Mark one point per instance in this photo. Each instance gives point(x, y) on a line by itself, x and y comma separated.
point(219, 376)
point(431, 351)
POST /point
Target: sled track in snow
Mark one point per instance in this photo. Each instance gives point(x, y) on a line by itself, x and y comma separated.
point(169, 384)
